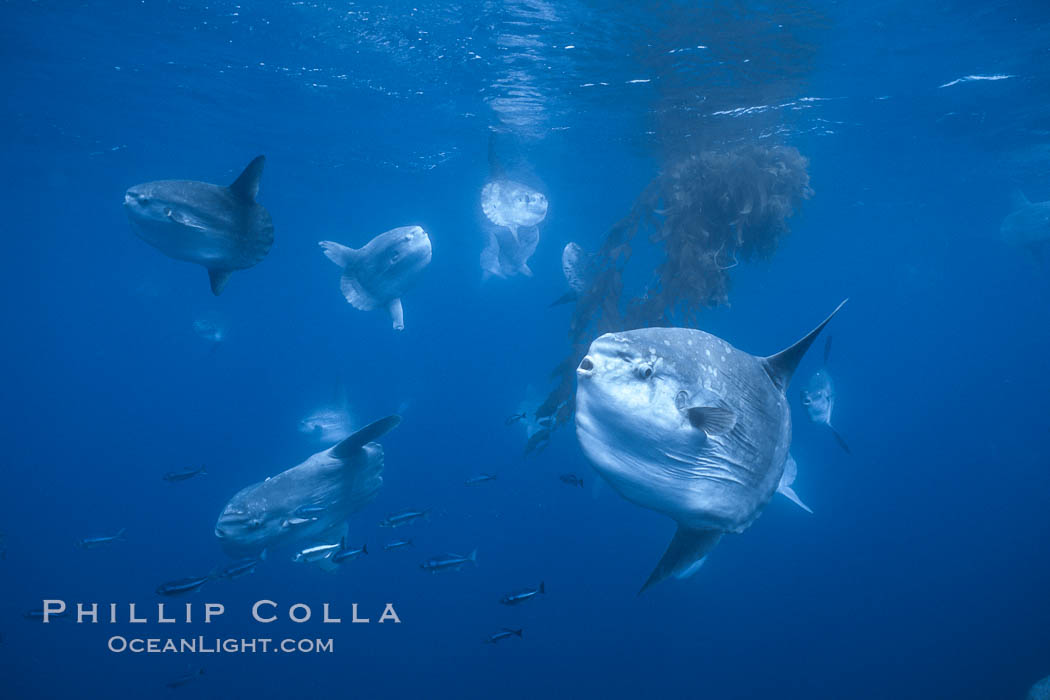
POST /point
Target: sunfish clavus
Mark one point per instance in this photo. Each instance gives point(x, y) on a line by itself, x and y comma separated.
point(376, 275)
point(222, 228)
point(336, 482)
point(681, 422)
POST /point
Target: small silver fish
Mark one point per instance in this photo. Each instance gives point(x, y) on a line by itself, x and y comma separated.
point(397, 544)
point(100, 541)
point(480, 479)
point(445, 562)
point(404, 518)
point(504, 633)
point(523, 595)
point(182, 585)
point(185, 474)
point(317, 553)
point(344, 555)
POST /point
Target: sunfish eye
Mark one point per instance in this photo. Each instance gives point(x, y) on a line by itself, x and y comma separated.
point(644, 371)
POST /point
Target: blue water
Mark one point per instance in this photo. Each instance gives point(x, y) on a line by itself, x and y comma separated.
point(923, 572)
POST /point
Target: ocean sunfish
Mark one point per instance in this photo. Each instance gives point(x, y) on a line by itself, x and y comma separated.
point(818, 398)
point(516, 210)
point(579, 268)
point(1028, 227)
point(337, 482)
point(681, 422)
point(222, 228)
point(379, 273)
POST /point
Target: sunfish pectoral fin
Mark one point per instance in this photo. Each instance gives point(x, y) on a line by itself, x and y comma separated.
point(246, 186)
point(711, 419)
point(684, 555)
point(338, 253)
point(365, 435)
point(839, 439)
point(781, 366)
point(218, 279)
point(397, 314)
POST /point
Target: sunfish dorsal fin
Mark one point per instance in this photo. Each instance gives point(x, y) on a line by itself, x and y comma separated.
point(246, 186)
point(218, 279)
point(781, 366)
point(683, 556)
point(365, 435)
point(1018, 200)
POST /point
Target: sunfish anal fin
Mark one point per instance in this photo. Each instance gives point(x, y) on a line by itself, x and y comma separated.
point(397, 314)
point(683, 556)
point(781, 366)
point(218, 279)
point(367, 434)
point(246, 186)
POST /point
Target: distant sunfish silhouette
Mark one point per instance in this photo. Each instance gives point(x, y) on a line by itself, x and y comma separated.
point(516, 210)
point(680, 422)
point(339, 481)
point(818, 397)
point(377, 275)
point(222, 228)
point(1028, 227)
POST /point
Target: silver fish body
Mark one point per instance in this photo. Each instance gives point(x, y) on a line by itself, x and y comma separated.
point(340, 480)
point(681, 422)
point(222, 228)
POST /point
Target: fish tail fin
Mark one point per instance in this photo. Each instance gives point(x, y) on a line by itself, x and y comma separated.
point(684, 555)
point(364, 548)
point(474, 556)
point(839, 439)
point(120, 534)
point(781, 366)
point(262, 555)
point(543, 588)
point(516, 631)
point(204, 469)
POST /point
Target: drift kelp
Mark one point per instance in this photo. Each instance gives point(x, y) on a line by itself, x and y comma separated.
point(707, 212)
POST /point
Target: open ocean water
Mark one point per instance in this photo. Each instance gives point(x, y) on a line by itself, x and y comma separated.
point(767, 160)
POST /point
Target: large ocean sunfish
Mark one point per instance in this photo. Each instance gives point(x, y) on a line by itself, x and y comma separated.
point(376, 275)
point(681, 422)
point(222, 228)
point(309, 502)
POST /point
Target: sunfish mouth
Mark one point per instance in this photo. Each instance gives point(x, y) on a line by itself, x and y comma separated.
point(586, 367)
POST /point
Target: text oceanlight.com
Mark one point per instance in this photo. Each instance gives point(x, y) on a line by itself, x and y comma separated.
point(202, 645)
